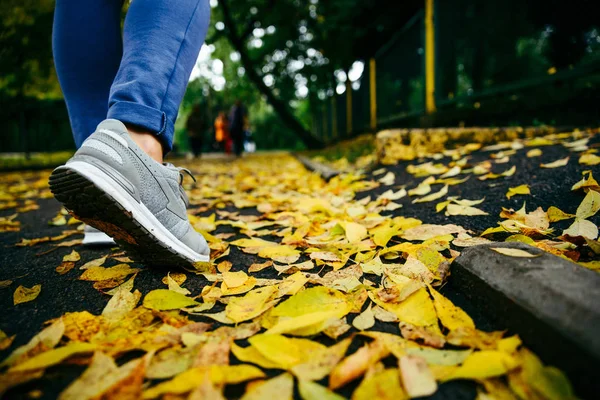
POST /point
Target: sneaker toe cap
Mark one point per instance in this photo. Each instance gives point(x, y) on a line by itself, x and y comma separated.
point(196, 242)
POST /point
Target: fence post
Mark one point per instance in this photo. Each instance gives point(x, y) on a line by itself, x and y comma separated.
point(324, 120)
point(334, 127)
point(348, 106)
point(429, 58)
point(373, 93)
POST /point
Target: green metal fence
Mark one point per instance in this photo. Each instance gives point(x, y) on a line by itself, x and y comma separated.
point(33, 125)
point(488, 63)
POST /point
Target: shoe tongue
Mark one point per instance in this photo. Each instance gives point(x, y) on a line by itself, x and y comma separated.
point(113, 125)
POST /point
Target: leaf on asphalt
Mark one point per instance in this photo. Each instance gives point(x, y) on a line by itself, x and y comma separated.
point(283, 351)
point(430, 335)
point(94, 263)
point(521, 189)
point(583, 228)
point(321, 362)
point(484, 364)
point(422, 189)
point(473, 338)
point(388, 179)
point(174, 286)
point(5, 340)
point(164, 299)
point(354, 232)
point(97, 274)
point(357, 363)
point(170, 362)
point(383, 315)
point(439, 357)
point(127, 285)
point(417, 379)
point(65, 267)
point(455, 209)
point(428, 231)
point(104, 378)
point(23, 294)
point(207, 391)
point(48, 338)
point(72, 256)
point(589, 206)
point(434, 196)
point(534, 378)
point(260, 266)
point(280, 253)
point(218, 375)
point(534, 153)
point(467, 241)
point(391, 195)
point(313, 391)
point(251, 355)
point(364, 320)
point(507, 251)
point(304, 325)
point(234, 279)
point(280, 387)
point(451, 316)
point(589, 159)
point(490, 175)
point(587, 183)
point(555, 214)
point(384, 385)
point(178, 277)
point(252, 304)
point(69, 243)
point(556, 164)
point(292, 284)
point(336, 328)
point(309, 309)
point(5, 284)
point(417, 309)
point(293, 268)
point(120, 304)
point(248, 285)
point(54, 356)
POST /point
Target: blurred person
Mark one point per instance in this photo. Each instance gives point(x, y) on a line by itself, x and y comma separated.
point(221, 131)
point(123, 93)
point(237, 117)
point(196, 128)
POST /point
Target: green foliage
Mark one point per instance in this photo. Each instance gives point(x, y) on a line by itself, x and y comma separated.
point(26, 67)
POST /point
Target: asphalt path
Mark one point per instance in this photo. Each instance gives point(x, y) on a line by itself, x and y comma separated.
point(60, 294)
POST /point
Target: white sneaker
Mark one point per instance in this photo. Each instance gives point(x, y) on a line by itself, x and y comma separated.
point(94, 237)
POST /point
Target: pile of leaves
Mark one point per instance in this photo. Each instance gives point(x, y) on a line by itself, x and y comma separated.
point(343, 297)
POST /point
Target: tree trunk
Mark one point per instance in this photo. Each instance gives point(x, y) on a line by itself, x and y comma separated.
point(279, 106)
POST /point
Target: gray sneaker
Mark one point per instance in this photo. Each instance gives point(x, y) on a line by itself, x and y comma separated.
point(93, 237)
point(113, 185)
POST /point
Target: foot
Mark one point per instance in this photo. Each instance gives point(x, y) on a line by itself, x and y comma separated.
point(113, 185)
point(94, 237)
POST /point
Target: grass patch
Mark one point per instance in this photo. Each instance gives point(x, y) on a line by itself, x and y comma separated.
point(18, 161)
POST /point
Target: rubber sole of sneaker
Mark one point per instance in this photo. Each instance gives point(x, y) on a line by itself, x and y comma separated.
point(91, 204)
point(97, 239)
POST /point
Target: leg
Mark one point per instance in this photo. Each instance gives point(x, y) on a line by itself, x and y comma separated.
point(87, 46)
point(161, 45)
point(116, 181)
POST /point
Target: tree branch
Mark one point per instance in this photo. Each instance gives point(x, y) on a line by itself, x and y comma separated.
point(278, 105)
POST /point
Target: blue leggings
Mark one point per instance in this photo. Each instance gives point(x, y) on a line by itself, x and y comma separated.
point(139, 78)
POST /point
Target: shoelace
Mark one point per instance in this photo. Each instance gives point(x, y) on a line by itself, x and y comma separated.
point(181, 171)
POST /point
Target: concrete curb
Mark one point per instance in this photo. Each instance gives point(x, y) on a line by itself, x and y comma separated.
point(325, 171)
point(552, 303)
